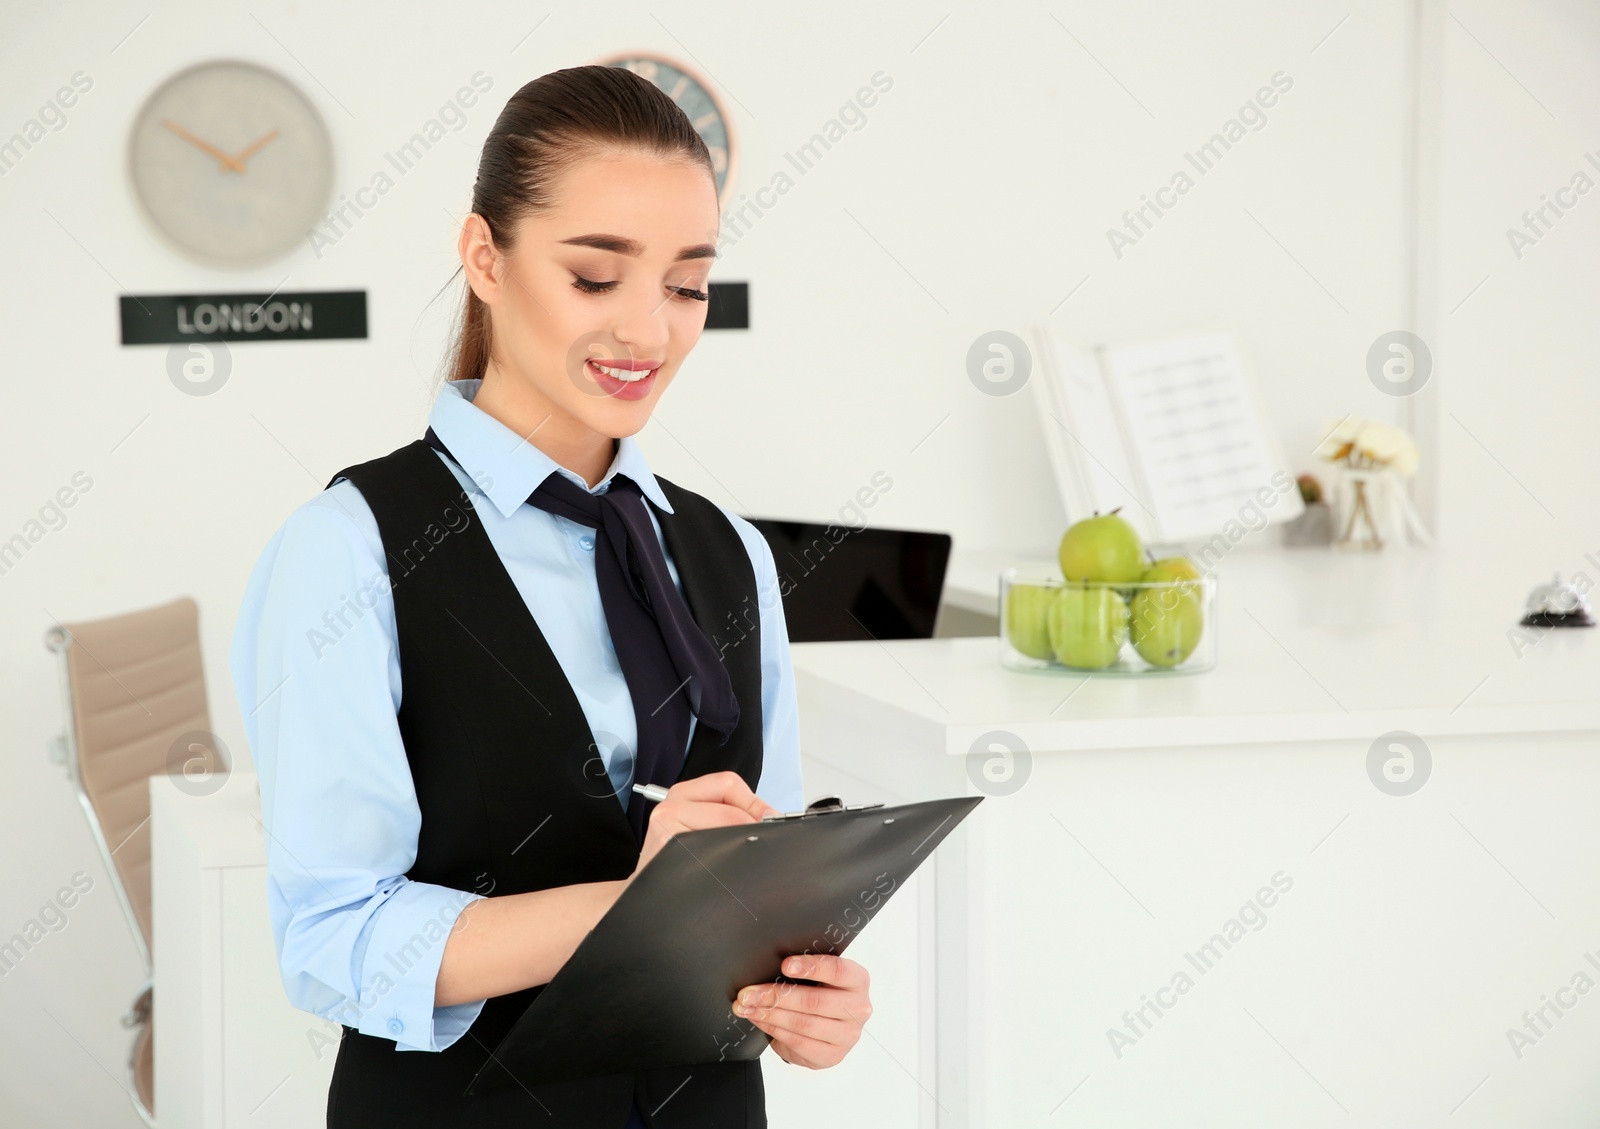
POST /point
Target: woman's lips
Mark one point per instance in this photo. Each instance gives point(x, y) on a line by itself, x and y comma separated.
point(620, 388)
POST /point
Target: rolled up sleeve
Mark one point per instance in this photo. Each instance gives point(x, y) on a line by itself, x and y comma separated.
point(316, 670)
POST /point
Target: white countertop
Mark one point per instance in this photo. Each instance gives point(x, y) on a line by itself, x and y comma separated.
point(221, 817)
point(1314, 644)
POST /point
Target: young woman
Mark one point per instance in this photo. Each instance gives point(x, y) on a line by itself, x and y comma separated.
point(562, 624)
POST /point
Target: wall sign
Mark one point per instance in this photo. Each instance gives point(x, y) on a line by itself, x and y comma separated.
point(729, 305)
point(165, 319)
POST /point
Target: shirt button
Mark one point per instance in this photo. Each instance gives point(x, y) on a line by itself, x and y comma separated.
point(395, 1027)
point(587, 542)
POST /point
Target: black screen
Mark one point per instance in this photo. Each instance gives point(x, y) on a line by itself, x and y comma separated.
point(844, 583)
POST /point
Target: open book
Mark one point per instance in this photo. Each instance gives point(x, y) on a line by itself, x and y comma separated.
point(1170, 431)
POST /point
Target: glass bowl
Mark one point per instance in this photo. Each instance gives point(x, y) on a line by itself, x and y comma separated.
point(1146, 627)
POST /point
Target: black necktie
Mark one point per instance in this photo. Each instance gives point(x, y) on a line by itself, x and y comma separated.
point(670, 666)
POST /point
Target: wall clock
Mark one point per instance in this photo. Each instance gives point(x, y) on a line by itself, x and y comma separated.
point(693, 94)
point(231, 163)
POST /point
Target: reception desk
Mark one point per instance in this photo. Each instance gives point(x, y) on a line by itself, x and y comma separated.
point(1351, 876)
point(1185, 899)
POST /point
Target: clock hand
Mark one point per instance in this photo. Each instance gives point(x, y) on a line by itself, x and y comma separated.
point(251, 149)
point(227, 162)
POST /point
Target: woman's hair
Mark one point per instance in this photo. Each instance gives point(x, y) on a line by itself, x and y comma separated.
point(548, 126)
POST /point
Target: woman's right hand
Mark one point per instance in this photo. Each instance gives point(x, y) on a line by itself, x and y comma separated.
point(717, 799)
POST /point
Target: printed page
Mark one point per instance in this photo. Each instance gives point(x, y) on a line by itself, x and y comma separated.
point(1195, 431)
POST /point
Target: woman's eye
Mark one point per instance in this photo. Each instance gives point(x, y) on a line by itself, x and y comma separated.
point(590, 286)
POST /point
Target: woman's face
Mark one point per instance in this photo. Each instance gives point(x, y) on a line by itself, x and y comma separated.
point(614, 273)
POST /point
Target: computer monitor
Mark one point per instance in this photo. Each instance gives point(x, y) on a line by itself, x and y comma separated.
point(840, 582)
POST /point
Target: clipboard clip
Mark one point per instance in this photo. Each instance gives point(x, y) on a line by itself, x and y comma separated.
point(823, 806)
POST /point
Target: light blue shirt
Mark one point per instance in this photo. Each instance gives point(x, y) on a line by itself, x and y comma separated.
point(316, 668)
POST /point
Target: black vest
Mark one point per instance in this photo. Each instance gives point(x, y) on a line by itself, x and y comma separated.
point(499, 748)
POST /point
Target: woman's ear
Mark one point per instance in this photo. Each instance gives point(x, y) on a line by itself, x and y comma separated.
point(479, 258)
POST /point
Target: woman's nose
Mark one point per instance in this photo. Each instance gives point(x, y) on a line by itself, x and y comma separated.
point(644, 326)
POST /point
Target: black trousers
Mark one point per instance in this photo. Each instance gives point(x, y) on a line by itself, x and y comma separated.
point(374, 1084)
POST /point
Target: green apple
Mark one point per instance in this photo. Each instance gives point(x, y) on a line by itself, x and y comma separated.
point(1166, 623)
point(1102, 548)
point(1088, 625)
point(1027, 606)
point(1171, 568)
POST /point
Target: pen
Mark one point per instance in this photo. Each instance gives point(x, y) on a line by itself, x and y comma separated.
point(651, 791)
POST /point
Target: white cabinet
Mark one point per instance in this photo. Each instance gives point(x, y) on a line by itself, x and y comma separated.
point(230, 1051)
point(1096, 948)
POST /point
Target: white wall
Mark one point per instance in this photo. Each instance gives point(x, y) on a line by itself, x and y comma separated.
point(1519, 395)
point(976, 197)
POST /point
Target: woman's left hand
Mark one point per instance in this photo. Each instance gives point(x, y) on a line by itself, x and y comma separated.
point(810, 1026)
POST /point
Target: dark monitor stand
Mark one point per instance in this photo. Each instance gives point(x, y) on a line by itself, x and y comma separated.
point(843, 583)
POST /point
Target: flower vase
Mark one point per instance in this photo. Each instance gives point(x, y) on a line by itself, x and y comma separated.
point(1364, 508)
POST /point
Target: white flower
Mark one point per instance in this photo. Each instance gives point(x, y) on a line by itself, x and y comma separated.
point(1358, 441)
point(1389, 446)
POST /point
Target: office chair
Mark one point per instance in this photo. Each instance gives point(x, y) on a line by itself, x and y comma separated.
point(135, 705)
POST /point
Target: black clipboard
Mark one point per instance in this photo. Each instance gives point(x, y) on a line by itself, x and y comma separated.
point(652, 984)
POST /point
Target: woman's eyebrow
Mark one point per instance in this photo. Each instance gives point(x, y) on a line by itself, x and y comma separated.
point(622, 245)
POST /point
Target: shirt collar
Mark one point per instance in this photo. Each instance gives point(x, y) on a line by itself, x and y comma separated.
point(505, 467)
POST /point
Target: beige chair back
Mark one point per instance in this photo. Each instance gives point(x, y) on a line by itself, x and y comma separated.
point(135, 694)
